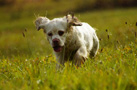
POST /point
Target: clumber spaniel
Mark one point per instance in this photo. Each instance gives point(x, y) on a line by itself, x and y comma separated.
point(71, 39)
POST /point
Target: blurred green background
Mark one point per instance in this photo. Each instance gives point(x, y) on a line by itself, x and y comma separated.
point(19, 38)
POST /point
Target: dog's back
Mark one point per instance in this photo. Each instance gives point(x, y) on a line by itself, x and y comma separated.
point(85, 35)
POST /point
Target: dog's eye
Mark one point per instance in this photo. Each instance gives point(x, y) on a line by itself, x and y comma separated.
point(49, 34)
point(61, 33)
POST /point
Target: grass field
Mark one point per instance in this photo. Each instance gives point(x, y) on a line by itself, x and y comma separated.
point(27, 62)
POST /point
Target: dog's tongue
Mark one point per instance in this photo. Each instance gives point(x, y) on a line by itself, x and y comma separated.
point(57, 48)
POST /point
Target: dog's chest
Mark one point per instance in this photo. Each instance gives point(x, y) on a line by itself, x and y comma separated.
point(72, 42)
point(71, 47)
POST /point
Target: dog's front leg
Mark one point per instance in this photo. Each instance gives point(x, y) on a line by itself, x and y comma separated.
point(80, 56)
point(60, 61)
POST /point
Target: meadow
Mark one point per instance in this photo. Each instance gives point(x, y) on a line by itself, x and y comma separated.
point(27, 61)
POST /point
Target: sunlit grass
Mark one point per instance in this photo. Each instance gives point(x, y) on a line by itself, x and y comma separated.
point(111, 69)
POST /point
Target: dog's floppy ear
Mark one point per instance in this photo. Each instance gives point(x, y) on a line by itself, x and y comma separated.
point(72, 20)
point(40, 22)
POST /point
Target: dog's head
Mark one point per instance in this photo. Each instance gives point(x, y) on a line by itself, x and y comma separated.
point(57, 29)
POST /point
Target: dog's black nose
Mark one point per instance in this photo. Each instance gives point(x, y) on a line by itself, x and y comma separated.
point(55, 41)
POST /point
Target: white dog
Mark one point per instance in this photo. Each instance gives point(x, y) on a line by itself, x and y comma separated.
point(71, 39)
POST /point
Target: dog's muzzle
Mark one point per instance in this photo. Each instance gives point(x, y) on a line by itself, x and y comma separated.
point(56, 45)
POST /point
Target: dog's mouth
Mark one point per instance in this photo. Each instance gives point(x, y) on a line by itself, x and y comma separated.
point(57, 48)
